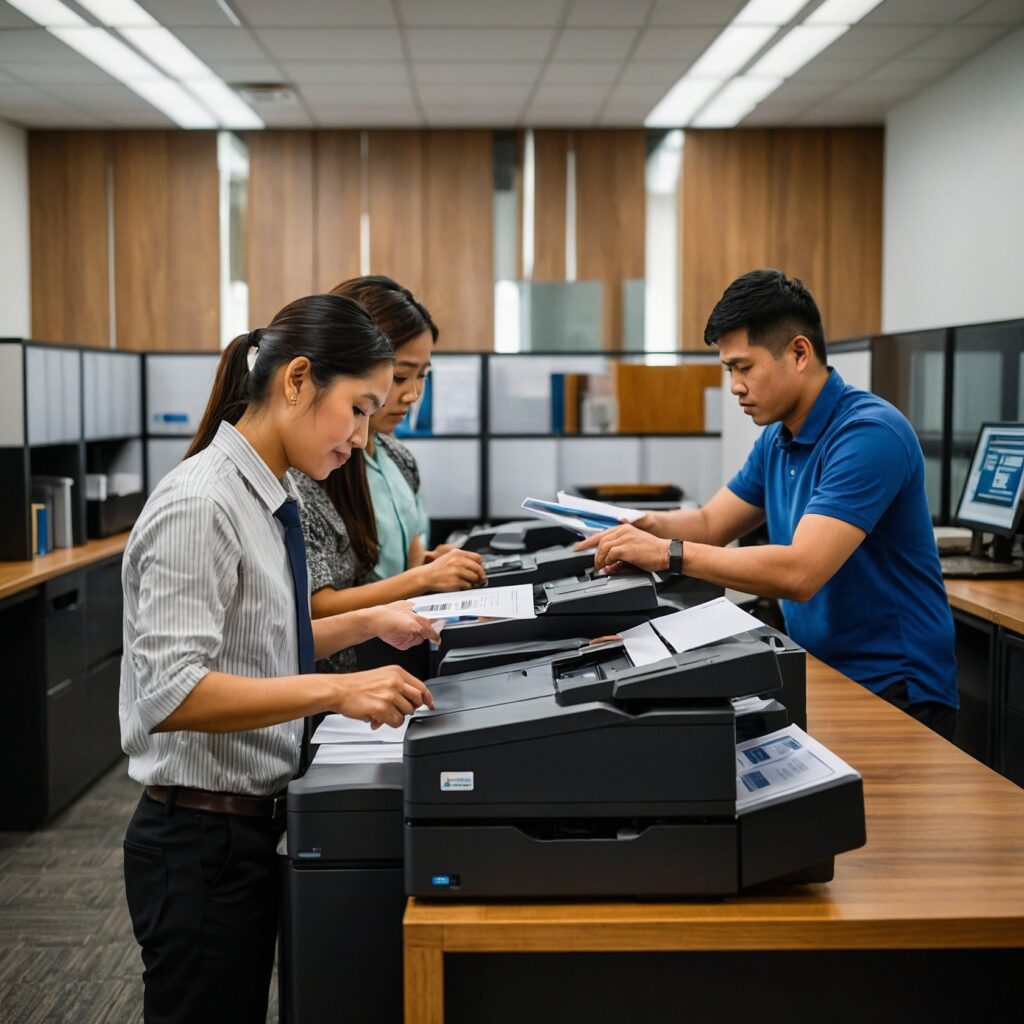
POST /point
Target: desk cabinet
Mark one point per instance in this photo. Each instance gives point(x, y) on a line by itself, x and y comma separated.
point(1011, 717)
point(60, 730)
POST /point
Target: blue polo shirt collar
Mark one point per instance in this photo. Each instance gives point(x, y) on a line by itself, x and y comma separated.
point(818, 417)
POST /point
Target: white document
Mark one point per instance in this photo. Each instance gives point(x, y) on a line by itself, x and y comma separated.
point(782, 764)
point(581, 515)
point(643, 645)
point(358, 753)
point(704, 624)
point(455, 408)
point(491, 602)
point(339, 729)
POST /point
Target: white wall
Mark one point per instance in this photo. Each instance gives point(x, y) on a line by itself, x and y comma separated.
point(954, 196)
point(15, 303)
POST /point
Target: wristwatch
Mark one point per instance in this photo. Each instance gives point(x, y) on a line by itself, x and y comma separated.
point(675, 557)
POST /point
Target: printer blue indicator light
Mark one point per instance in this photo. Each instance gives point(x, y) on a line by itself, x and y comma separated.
point(441, 881)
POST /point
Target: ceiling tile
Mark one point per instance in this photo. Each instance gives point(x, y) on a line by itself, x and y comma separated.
point(314, 13)
point(958, 41)
point(683, 45)
point(695, 12)
point(888, 94)
point(828, 115)
point(582, 72)
point(359, 44)
point(478, 72)
point(10, 18)
point(649, 72)
point(997, 12)
point(636, 95)
point(831, 69)
point(559, 116)
point(916, 12)
point(368, 117)
point(188, 13)
point(606, 12)
point(71, 69)
point(325, 72)
point(225, 43)
point(569, 95)
point(479, 44)
point(803, 92)
point(19, 45)
point(594, 43)
point(482, 13)
point(246, 70)
point(472, 96)
point(292, 116)
point(387, 96)
point(774, 115)
point(872, 42)
point(905, 69)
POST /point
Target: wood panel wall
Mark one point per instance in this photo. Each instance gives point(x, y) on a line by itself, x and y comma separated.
point(610, 220)
point(69, 240)
point(280, 239)
point(166, 240)
point(807, 201)
point(339, 205)
point(550, 159)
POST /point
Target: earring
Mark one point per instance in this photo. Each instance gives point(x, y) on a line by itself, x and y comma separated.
point(293, 399)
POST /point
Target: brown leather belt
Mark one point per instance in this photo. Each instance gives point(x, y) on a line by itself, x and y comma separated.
point(219, 803)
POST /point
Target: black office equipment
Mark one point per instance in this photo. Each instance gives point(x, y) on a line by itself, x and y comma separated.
point(509, 569)
point(992, 502)
point(519, 536)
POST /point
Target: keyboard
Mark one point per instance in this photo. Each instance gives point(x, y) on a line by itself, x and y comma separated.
point(970, 567)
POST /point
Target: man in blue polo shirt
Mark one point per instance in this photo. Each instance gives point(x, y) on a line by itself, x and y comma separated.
point(839, 477)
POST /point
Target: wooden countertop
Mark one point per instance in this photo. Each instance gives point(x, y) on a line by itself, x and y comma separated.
point(998, 601)
point(943, 866)
point(17, 576)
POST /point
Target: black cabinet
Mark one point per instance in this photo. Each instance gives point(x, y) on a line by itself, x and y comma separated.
point(59, 690)
point(975, 658)
point(1011, 719)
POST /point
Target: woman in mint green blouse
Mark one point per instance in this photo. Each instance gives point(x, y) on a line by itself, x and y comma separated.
point(365, 526)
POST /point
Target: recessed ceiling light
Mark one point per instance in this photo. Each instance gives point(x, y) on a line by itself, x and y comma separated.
point(171, 99)
point(799, 46)
point(841, 12)
point(735, 101)
point(733, 47)
point(681, 102)
point(768, 12)
point(110, 54)
point(231, 111)
point(119, 13)
point(48, 13)
point(165, 50)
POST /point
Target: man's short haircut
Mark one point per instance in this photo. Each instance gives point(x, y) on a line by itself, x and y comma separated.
point(772, 308)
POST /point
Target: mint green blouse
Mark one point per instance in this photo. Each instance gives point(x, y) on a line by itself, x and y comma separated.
point(398, 510)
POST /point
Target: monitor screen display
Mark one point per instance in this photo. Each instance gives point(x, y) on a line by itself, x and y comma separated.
point(992, 495)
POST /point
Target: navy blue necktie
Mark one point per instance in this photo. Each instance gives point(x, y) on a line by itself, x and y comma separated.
point(288, 513)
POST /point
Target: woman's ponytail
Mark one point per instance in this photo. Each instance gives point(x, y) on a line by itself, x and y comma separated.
point(230, 394)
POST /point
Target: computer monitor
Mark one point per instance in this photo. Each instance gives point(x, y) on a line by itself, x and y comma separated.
point(993, 496)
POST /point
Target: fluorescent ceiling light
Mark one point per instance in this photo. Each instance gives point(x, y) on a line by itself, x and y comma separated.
point(172, 100)
point(735, 45)
point(681, 102)
point(841, 12)
point(768, 12)
point(110, 54)
point(230, 109)
point(799, 46)
point(167, 51)
point(48, 13)
point(735, 101)
point(118, 13)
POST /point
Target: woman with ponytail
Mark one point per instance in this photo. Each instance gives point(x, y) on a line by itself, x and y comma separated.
point(365, 526)
point(218, 669)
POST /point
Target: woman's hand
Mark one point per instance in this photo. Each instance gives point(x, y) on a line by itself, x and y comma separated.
point(454, 570)
point(381, 696)
point(441, 549)
point(397, 624)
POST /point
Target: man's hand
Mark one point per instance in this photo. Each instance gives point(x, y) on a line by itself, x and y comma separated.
point(397, 624)
point(381, 696)
point(625, 545)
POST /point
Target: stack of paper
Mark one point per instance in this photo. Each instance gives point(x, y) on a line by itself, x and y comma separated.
point(782, 764)
point(581, 515)
point(345, 741)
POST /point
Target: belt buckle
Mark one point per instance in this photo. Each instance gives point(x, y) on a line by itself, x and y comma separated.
point(278, 805)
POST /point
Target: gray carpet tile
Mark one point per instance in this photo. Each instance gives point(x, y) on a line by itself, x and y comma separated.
point(67, 953)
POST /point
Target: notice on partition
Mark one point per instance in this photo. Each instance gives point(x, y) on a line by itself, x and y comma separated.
point(490, 603)
point(704, 624)
point(782, 764)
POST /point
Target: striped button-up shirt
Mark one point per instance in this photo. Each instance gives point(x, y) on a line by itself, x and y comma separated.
point(208, 587)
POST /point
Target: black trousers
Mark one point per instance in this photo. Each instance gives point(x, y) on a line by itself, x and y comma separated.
point(940, 718)
point(202, 891)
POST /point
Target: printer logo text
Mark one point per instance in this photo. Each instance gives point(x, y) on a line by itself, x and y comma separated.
point(451, 781)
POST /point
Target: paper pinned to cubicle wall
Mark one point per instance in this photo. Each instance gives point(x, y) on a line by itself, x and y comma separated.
point(704, 624)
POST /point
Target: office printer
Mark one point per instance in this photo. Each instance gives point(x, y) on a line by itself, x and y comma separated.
point(505, 570)
point(523, 535)
point(585, 605)
point(600, 779)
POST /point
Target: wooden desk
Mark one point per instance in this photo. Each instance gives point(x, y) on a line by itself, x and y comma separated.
point(943, 868)
point(997, 601)
point(18, 576)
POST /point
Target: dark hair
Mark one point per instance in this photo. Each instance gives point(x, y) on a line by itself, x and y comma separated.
point(773, 309)
point(402, 317)
point(398, 313)
point(337, 335)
